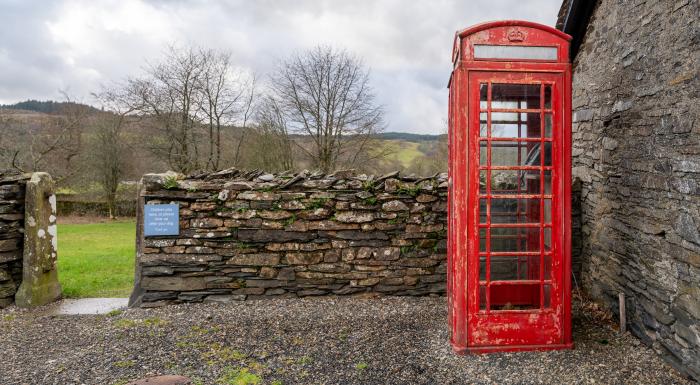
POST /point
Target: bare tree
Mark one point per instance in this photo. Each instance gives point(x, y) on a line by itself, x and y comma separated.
point(110, 150)
point(270, 145)
point(192, 94)
point(109, 156)
point(325, 93)
point(170, 95)
point(227, 100)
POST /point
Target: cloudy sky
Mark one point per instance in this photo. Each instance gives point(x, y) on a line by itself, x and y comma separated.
point(77, 46)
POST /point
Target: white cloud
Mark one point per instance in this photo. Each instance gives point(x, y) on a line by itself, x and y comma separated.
point(80, 44)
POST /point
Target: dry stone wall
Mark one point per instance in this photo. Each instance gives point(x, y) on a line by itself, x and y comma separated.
point(256, 235)
point(636, 151)
point(12, 192)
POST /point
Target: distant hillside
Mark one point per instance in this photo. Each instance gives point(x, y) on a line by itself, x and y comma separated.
point(401, 136)
point(408, 137)
point(47, 107)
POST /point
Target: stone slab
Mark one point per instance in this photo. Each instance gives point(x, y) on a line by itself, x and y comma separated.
point(88, 306)
point(163, 380)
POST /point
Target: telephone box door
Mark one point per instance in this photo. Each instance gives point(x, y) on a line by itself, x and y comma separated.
point(516, 205)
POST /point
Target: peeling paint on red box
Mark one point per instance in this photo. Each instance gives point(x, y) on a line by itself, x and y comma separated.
point(509, 208)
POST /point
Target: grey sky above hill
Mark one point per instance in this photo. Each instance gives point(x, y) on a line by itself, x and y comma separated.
point(79, 45)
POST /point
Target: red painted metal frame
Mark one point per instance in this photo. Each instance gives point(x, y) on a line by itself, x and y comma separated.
point(490, 330)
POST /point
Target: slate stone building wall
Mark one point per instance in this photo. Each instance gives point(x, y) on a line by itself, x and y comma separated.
point(254, 235)
point(636, 151)
point(12, 189)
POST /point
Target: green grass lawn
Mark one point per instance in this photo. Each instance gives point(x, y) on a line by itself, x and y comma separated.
point(96, 260)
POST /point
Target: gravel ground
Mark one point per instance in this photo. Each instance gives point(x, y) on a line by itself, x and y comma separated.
point(301, 341)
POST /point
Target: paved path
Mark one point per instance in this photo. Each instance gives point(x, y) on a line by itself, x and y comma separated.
point(309, 341)
point(85, 306)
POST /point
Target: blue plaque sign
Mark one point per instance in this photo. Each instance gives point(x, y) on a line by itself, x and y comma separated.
point(161, 220)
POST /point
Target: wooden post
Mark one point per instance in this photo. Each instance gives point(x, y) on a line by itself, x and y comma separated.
point(623, 317)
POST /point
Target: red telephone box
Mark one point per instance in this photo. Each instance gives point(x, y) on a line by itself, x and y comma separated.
point(509, 240)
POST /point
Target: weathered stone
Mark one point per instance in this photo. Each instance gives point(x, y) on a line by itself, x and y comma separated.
point(314, 246)
point(264, 283)
point(173, 250)
point(367, 227)
point(258, 196)
point(173, 283)
point(417, 262)
point(424, 228)
point(268, 272)
point(9, 244)
point(303, 258)
point(331, 225)
point(259, 259)
point(199, 250)
point(39, 276)
point(395, 205)
point(7, 301)
point(150, 242)
point(391, 185)
point(157, 270)
point(275, 225)
point(330, 267)
point(354, 216)
point(365, 282)
point(425, 198)
point(275, 291)
point(206, 223)
point(7, 289)
point(291, 196)
point(238, 185)
point(392, 281)
point(368, 242)
point(252, 223)
point(240, 214)
point(387, 254)
point(282, 246)
point(363, 206)
point(177, 259)
point(12, 217)
point(688, 301)
point(292, 205)
point(217, 279)
point(348, 254)
point(311, 292)
point(331, 256)
point(274, 235)
point(275, 215)
point(301, 226)
point(357, 235)
point(9, 256)
point(266, 177)
point(315, 214)
point(188, 242)
point(686, 227)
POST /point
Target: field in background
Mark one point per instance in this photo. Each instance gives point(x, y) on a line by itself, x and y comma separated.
point(96, 259)
point(403, 152)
